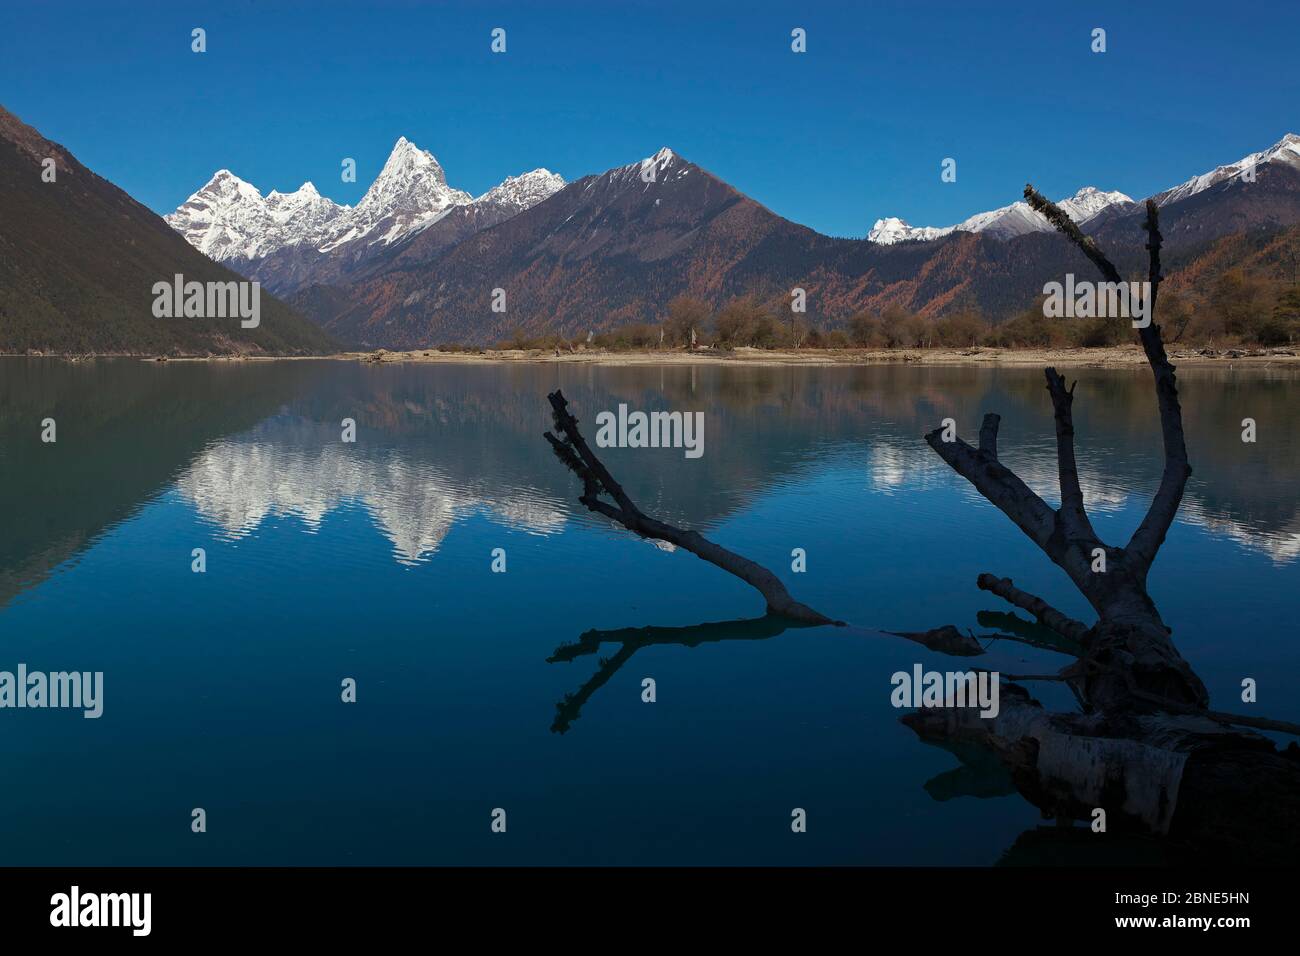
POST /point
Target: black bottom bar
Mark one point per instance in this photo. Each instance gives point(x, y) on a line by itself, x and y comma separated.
point(219, 905)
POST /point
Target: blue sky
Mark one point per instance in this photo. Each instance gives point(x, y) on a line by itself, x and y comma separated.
point(852, 130)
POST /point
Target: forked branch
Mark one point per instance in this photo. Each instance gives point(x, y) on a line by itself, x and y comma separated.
point(999, 484)
point(1066, 534)
point(1150, 534)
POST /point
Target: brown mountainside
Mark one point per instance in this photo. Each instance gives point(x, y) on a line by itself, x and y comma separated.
point(614, 249)
point(79, 258)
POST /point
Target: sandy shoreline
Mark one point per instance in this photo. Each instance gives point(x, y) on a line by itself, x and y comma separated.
point(1115, 357)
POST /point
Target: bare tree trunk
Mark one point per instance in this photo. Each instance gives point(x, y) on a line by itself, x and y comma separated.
point(1188, 778)
point(1129, 633)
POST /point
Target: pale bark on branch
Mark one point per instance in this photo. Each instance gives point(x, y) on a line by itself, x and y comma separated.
point(1113, 579)
point(999, 484)
point(1043, 612)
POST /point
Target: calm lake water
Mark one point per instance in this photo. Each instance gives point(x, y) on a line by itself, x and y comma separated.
point(372, 560)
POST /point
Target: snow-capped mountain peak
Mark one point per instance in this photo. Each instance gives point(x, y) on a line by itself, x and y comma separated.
point(888, 231)
point(226, 217)
point(1085, 205)
point(523, 191)
point(1286, 150)
point(304, 193)
point(226, 184)
point(229, 218)
point(410, 194)
point(407, 162)
point(1006, 222)
point(303, 213)
point(659, 162)
point(1089, 201)
point(652, 169)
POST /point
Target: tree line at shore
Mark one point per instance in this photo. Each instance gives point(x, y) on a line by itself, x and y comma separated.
point(1237, 309)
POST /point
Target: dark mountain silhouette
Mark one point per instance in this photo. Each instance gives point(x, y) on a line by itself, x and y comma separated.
point(79, 258)
point(613, 249)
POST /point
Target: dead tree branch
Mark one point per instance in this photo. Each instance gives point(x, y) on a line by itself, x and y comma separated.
point(1227, 793)
point(1073, 516)
point(999, 484)
point(989, 435)
point(1043, 612)
point(1150, 534)
point(1146, 540)
point(1129, 629)
point(572, 449)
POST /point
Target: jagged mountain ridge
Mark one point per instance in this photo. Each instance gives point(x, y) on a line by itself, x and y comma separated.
point(1088, 206)
point(613, 249)
point(1007, 222)
point(288, 240)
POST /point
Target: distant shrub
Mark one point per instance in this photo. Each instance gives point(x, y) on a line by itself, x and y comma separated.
point(685, 315)
point(1103, 332)
point(1275, 331)
point(1028, 329)
point(864, 331)
point(744, 322)
point(960, 329)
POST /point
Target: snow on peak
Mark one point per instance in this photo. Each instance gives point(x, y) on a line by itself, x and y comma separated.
point(523, 191)
point(653, 169)
point(659, 162)
point(1018, 219)
point(410, 194)
point(1286, 150)
point(304, 194)
point(224, 217)
point(1007, 222)
point(407, 159)
point(1089, 201)
point(226, 183)
point(303, 213)
point(889, 231)
point(229, 218)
